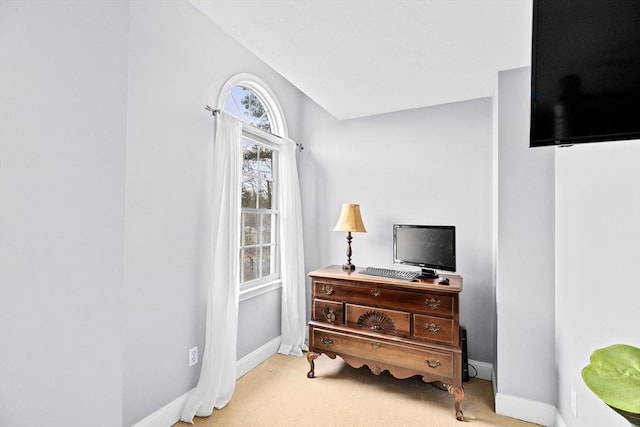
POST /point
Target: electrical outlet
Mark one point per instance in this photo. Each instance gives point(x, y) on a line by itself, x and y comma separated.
point(574, 403)
point(193, 356)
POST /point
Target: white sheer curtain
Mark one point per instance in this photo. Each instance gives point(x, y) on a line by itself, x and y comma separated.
point(218, 372)
point(293, 322)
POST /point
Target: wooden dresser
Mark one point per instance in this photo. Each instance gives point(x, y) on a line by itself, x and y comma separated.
point(406, 328)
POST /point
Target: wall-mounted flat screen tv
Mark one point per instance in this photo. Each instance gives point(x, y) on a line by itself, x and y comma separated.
point(585, 71)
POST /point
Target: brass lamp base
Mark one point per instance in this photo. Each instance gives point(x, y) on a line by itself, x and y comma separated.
point(348, 267)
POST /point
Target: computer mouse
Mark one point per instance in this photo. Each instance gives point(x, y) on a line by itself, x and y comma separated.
point(443, 281)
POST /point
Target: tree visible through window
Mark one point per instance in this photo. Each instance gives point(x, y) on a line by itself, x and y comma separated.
point(243, 103)
point(259, 213)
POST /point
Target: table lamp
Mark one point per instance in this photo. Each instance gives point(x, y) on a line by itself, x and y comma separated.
point(349, 221)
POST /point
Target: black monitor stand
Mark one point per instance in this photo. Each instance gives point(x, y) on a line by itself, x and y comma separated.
point(428, 274)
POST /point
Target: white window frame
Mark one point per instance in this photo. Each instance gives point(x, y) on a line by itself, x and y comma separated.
point(273, 141)
point(265, 284)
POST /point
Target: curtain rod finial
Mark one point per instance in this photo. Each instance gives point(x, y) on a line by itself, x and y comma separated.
point(213, 111)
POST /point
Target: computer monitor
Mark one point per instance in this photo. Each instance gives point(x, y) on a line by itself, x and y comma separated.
point(431, 247)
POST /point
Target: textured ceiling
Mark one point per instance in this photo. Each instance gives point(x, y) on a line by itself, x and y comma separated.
point(360, 58)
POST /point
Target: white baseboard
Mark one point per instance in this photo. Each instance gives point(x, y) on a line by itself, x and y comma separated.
point(559, 420)
point(494, 382)
point(167, 415)
point(256, 357)
point(484, 370)
point(170, 414)
point(525, 409)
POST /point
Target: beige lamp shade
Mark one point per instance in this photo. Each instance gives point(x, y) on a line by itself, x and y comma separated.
point(350, 219)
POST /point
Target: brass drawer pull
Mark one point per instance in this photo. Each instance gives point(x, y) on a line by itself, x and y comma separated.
point(432, 327)
point(330, 315)
point(433, 303)
point(328, 289)
point(375, 345)
point(432, 363)
point(326, 341)
point(376, 292)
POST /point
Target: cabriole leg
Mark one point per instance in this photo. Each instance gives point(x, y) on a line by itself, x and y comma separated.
point(458, 394)
point(311, 356)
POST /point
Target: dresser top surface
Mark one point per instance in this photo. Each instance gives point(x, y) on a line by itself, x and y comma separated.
point(336, 272)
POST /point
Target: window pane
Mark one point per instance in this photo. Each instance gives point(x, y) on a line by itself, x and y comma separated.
point(250, 229)
point(250, 164)
point(255, 112)
point(267, 266)
point(265, 176)
point(265, 195)
point(266, 163)
point(264, 124)
point(268, 228)
point(254, 107)
point(243, 103)
point(249, 192)
point(250, 264)
point(232, 103)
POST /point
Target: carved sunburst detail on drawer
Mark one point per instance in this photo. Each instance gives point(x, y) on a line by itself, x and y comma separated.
point(377, 322)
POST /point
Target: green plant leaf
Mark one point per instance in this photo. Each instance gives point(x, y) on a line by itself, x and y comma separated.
point(614, 376)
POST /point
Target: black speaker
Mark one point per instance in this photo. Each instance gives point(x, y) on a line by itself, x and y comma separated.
point(465, 357)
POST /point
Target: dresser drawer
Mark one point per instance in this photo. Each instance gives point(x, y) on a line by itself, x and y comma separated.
point(379, 295)
point(421, 360)
point(328, 311)
point(437, 329)
point(330, 289)
point(428, 303)
point(375, 319)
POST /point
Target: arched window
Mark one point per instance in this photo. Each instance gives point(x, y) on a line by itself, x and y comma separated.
point(250, 100)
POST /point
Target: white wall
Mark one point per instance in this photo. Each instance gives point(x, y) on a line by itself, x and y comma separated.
point(102, 278)
point(549, 324)
point(525, 257)
point(179, 61)
point(424, 166)
point(63, 94)
point(598, 248)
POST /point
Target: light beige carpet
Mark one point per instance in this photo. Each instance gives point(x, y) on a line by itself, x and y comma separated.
point(278, 394)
